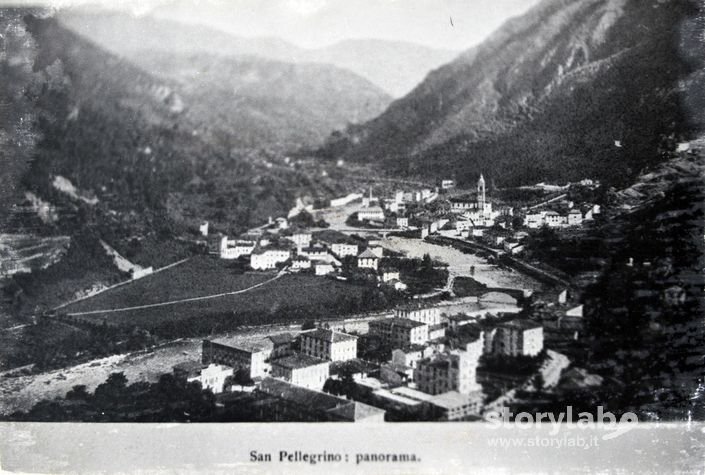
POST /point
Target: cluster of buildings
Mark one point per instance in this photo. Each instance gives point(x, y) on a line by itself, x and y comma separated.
point(286, 374)
point(560, 214)
point(436, 378)
point(303, 361)
point(298, 251)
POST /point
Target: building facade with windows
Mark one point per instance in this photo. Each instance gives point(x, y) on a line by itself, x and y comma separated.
point(329, 345)
point(269, 258)
point(519, 338)
point(302, 370)
point(451, 371)
point(427, 315)
point(399, 332)
point(252, 357)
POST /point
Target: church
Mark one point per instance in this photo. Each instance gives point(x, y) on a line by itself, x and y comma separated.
point(477, 205)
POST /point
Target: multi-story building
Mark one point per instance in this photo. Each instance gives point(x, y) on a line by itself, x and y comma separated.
point(300, 263)
point(368, 260)
point(314, 252)
point(251, 357)
point(301, 239)
point(323, 268)
point(265, 259)
point(302, 370)
point(399, 332)
point(411, 355)
point(211, 376)
point(451, 371)
point(519, 338)
point(374, 213)
point(437, 331)
point(343, 249)
point(447, 184)
point(329, 345)
point(533, 220)
point(419, 313)
point(232, 249)
point(575, 217)
point(402, 222)
point(387, 275)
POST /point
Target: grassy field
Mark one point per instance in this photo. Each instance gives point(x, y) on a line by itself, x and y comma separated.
point(200, 276)
point(287, 298)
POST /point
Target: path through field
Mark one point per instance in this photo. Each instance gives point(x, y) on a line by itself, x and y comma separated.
point(175, 302)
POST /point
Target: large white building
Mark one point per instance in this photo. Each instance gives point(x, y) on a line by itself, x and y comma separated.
point(253, 357)
point(329, 345)
point(232, 248)
point(368, 260)
point(343, 249)
point(418, 313)
point(211, 376)
point(410, 356)
point(399, 332)
point(451, 371)
point(249, 357)
point(374, 213)
point(269, 258)
point(515, 338)
point(301, 239)
point(302, 370)
point(553, 219)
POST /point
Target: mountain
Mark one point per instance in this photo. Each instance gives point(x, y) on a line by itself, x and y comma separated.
point(394, 66)
point(260, 102)
point(151, 144)
point(573, 88)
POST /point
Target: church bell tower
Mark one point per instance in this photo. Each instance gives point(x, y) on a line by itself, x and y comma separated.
point(481, 197)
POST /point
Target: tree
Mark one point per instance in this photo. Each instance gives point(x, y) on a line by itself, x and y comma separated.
point(427, 263)
point(539, 382)
point(78, 393)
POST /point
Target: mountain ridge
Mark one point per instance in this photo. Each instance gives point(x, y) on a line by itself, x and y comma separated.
point(544, 97)
point(395, 66)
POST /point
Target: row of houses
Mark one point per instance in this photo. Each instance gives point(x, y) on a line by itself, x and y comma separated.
point(561, 217)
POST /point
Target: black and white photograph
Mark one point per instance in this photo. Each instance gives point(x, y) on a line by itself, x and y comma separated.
point(474, 230)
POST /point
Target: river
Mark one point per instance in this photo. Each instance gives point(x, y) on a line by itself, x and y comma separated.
point(460, 264)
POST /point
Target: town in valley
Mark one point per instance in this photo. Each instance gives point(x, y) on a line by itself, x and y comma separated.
point(199, 237)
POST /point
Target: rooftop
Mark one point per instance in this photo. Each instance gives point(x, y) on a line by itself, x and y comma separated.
point(454, 399)
point(298, 361)
point(276, 248)
point(412, 394)
point(386, 394)
point(522, 324)
point(252, 346)
point(356, 411)
point(328, 335)
point(281, 338)
point(338, 407)
point(399, 322)
point(314, 249)
point(368, 254)
point(416, 306)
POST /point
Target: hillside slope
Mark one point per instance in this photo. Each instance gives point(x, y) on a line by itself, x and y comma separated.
point(545, 97)
point(264, 103)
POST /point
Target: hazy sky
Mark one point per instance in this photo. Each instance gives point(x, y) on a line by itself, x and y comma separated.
point(314, 23)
